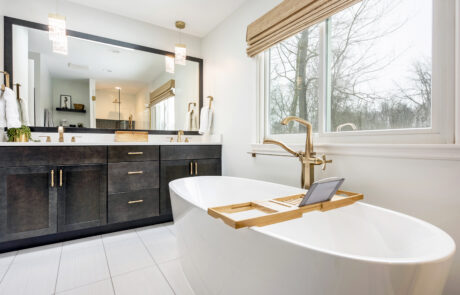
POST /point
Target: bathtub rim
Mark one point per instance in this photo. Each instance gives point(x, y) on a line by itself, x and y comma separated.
point(370, 259)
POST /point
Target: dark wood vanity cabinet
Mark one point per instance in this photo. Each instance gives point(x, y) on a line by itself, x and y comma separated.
point(53, 193)
point(186, 161)
point(28, 200)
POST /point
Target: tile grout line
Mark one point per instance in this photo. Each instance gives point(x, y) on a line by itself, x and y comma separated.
point(108, 266)
point(59, 267)
point(81, 286)
point(9, 266)
point(171, 231)
point(154, 261)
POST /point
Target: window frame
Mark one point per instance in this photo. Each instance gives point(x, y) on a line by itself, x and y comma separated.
point(443, 92)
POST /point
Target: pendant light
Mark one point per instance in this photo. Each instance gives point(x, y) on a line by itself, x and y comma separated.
point(169, 63)
point(57, 32)
point(180, 49)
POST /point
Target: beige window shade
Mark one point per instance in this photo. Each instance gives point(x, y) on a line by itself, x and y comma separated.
point(163, 92)
point(289, 18)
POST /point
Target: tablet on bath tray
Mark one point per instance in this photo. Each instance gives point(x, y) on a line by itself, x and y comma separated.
point(321, 191)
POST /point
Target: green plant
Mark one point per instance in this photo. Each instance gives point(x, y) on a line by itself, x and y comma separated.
point(16, 132)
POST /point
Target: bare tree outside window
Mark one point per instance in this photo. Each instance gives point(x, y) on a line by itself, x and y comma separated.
point(379, 69)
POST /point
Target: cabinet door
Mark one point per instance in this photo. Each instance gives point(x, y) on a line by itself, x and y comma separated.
point(82, 196)
point(169, 171)
point(207, 167)
point(28, 203)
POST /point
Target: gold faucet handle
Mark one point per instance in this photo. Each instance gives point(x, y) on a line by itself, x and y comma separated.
point(48, 138)
point(325, 161)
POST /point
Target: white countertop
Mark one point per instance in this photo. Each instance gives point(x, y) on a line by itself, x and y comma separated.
point(101, 143)
point(95, 139)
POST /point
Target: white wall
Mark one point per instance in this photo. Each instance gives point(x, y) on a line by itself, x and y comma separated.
point(427, 189)
point(43, 89)
point(140, 116)
point(79, 91)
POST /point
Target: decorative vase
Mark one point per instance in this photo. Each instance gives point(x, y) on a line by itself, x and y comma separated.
point(22, 138)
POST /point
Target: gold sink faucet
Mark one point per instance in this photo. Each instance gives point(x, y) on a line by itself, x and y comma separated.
point(61, 133)
point(308, 157)
point(179, 135)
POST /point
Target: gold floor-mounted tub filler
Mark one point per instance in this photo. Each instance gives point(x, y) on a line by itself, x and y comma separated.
point(308, 157)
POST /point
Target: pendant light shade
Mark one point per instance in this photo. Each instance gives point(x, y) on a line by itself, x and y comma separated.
point(180, 52)
point(57, 33)
point(169, 64)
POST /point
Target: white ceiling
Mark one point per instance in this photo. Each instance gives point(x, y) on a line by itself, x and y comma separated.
point(201, 16)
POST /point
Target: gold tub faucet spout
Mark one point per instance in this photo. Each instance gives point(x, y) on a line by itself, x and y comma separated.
point(307, 157)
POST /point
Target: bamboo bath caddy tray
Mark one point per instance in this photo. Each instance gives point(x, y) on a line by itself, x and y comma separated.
point(278, 209)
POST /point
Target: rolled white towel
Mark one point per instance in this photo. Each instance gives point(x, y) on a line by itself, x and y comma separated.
point(11, 109)
point(188, 120)
point(205, 120)
point(24, 112)
point(2, 113)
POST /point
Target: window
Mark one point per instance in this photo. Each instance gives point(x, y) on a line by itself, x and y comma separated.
point(293, 90)
point(365, 71)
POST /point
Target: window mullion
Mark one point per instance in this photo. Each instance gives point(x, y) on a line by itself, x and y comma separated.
point(324, 116)
point(327, 76)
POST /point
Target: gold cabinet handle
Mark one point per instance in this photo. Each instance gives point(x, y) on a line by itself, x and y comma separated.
point(52, 178)
point(135, 153)
point(135, 172)
point(196, 168)
point(136, 201)
point(191, 168)
point(60, 177)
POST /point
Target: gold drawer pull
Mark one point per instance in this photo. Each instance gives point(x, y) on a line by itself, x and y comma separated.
point(134, 202)
point(191, 168)
point(135, 153)
point(52, 178)
point(135, 172)
point(196, 168)
point(60, 177)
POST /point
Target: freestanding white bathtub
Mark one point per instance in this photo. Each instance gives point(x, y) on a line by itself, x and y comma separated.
point(358, 249)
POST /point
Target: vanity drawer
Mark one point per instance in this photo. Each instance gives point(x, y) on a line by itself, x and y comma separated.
point(133, 205)
point(190, 152)
point(133, 153)
point(52, 155)
point(132, 176)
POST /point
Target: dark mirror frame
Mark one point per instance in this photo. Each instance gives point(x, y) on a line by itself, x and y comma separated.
point(8, 66)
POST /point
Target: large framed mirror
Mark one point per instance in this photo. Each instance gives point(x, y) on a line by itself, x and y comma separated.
point(101, 84)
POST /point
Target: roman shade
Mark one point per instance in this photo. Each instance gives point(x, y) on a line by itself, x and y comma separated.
point(163, 92)
point(287, 19)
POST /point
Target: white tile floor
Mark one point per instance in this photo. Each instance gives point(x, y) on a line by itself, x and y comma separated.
point(138, 261)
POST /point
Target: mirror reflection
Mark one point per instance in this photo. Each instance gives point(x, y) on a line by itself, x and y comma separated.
point(98, 85)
